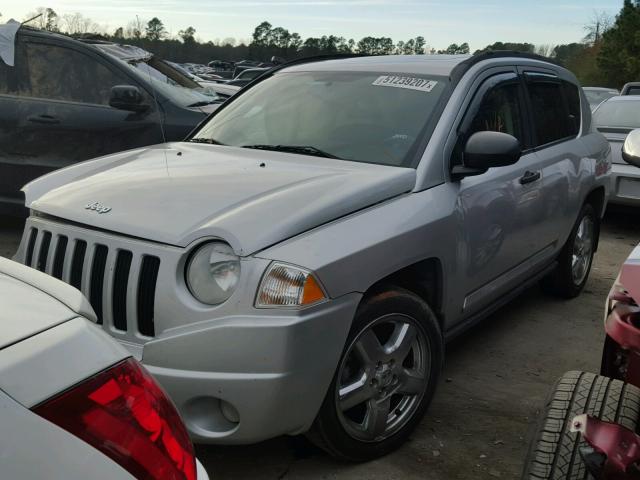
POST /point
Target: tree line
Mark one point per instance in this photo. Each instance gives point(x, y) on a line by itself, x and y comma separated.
point(608, 55)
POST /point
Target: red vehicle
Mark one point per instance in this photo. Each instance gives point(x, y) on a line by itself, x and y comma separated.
point(589, 429)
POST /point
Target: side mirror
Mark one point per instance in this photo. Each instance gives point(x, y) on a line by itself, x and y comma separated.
point(631, 148)
point(485, 150)
point(127, 97)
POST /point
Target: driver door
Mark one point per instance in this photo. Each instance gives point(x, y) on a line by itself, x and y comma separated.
point(500, 208)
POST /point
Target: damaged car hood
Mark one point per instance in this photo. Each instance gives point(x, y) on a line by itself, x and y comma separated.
point(181, 192)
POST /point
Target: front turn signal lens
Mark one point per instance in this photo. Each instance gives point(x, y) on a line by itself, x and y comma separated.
point(288, 286)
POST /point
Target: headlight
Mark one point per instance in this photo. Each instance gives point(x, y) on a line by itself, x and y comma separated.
point(288, 286)
point(213, 273)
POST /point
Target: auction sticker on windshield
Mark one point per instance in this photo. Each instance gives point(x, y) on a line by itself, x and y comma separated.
point(398, 81)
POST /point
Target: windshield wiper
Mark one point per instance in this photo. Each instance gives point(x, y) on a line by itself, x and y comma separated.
point(203, 103)
point(302, 149)
point(210, 141)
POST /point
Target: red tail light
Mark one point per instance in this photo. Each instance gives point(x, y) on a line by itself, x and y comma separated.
point(126, 415)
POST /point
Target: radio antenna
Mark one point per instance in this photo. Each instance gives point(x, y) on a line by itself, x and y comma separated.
point(155, 100)
point(32, 19)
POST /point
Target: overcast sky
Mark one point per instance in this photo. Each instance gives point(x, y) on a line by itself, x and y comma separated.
point(441, 22)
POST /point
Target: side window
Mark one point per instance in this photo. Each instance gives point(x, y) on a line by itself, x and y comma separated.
point(500, 111)
point(59, 73)
point(551, 116)
point(4, 78)
point(9, 75)
point(573, 103)
point(496, 107)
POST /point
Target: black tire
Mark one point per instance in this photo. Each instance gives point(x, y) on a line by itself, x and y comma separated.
point(327, 431)
point(560, 282)
point(554, 451)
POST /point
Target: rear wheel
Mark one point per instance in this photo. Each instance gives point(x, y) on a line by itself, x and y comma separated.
point(555, 451)
point(385, 379)
point(576, 257)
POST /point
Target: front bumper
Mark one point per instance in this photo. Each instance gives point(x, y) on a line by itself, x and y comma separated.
point(236, 373)
point(625, 185)
point(249, 378)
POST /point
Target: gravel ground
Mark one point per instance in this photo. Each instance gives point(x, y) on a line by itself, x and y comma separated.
point(495, 380)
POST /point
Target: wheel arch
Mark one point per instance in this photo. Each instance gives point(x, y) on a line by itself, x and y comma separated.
point(424, 278)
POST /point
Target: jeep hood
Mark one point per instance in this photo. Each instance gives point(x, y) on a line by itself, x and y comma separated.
point(181, 192)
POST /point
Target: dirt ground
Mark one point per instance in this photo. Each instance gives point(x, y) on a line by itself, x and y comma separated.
point(495, 381)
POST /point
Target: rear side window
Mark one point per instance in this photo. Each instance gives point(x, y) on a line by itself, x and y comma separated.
point(633, 91)
point(555, 107)
point(59, 73)
point(572, 97)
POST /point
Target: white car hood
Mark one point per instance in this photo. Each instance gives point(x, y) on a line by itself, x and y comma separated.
point(179, 193)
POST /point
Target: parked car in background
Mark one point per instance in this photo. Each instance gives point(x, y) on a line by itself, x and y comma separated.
point(162, 71)
point(299, 262)
point(615, 118)
point(220, 90)
point(66, 101)
point(597, 95)
point(222, 68)
point(247, 76)
point(73, 403)
point(631, 88)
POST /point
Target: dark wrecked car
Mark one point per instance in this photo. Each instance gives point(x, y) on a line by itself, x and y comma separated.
point(64, 101)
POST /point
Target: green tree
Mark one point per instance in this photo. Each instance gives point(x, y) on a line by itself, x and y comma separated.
point(409, 47)
point(376, 46)
point(565, 54)
point(119, 33)
point(155, 30)
point(419, 44)
point(295, 42)
point(261, 34)
point(619, 55)
point(455, 49)
point(188, 35)
point(515, 47)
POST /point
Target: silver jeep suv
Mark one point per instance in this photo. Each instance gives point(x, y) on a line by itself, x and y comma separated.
point(298, 263)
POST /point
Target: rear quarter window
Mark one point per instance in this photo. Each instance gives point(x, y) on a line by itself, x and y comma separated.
point(555, 107)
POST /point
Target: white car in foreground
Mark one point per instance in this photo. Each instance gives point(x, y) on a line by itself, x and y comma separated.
point(73, 403)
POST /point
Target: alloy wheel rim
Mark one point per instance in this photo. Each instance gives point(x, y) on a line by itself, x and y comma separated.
point(382, 378)
point(582, 250)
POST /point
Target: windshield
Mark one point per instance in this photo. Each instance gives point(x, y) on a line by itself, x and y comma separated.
point(173, 84)
point(596, 97)
point(618, 114)
point(360, 116)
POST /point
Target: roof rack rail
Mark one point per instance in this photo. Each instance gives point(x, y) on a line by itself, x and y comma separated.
point(465, 65)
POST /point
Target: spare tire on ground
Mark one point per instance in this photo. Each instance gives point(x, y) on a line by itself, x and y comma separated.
point(554, 452)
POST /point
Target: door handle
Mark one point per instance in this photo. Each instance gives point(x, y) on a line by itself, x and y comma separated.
point(46, 119)
point(529, 177)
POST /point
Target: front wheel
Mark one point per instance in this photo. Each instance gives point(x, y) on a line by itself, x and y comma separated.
point(574, 262)
point(385, 379)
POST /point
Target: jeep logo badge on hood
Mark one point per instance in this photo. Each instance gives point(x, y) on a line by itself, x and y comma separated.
point(98, 207)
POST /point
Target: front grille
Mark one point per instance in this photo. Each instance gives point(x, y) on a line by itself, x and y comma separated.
point(119, 283)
